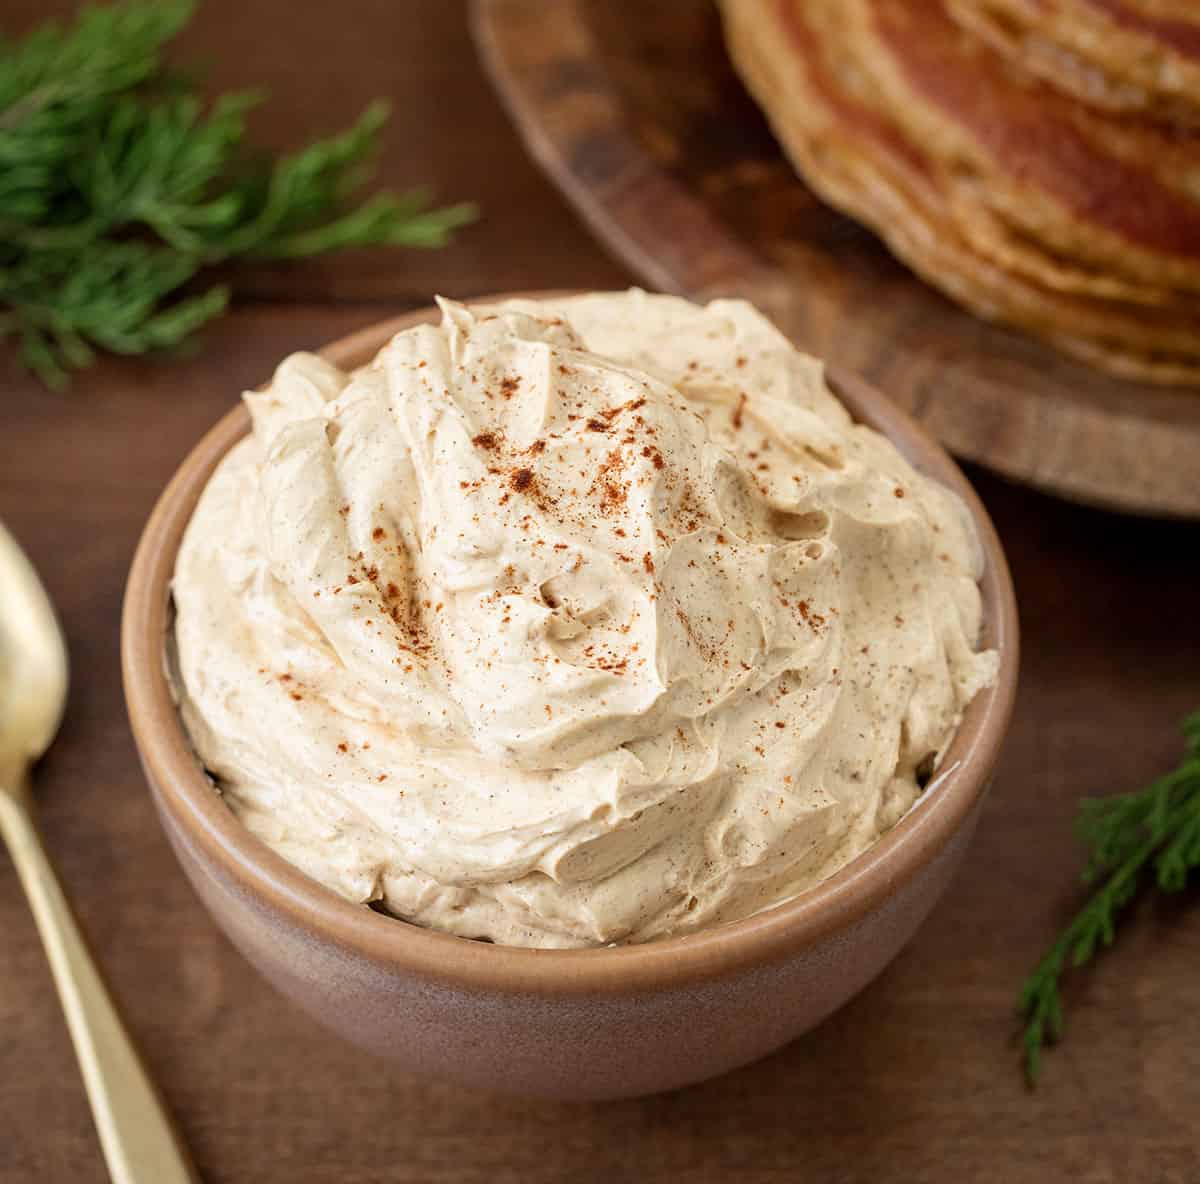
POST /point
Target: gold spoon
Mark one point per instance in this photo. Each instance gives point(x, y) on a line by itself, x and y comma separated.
point(139, 1143)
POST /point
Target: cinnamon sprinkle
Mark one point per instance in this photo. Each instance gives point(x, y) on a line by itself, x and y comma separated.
point(654, 456)
point(815, 620)
point(608, 482)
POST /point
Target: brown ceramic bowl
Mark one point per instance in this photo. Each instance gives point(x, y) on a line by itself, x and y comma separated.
point(599, 1023)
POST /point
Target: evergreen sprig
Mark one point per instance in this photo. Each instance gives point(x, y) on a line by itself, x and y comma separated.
point(118, 185)
point(1157, 827)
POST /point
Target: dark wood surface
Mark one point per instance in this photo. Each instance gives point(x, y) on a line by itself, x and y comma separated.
point(915, 1081)
point(635, 111)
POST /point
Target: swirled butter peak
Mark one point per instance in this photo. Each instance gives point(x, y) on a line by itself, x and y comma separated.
point(575, 622)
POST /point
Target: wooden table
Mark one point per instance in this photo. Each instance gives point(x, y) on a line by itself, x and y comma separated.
point(914, 1081)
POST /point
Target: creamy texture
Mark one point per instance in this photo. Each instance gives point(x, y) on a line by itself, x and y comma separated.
point(572, 623)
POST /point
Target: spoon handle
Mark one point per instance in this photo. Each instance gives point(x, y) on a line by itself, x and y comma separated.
point(140, 1144)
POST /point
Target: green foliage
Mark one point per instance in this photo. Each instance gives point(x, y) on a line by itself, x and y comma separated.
point(118, 185)
point(1157, 827)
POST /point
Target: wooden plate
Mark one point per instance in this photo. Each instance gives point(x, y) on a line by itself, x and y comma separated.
point(635, 111)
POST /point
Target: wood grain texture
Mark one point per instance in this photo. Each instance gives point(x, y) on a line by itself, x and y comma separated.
point(913, 1083)
point(635, 112)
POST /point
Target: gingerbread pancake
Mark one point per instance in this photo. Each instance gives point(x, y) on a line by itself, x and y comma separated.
point(1072, 224)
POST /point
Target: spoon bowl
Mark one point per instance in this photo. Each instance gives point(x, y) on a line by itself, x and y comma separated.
point(33, 666)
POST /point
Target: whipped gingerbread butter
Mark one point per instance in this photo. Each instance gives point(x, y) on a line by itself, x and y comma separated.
point(570, 623)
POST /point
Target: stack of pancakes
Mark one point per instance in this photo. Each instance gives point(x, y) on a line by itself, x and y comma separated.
point(1037, 160)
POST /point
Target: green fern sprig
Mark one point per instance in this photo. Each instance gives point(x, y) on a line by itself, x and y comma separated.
point(1157, 827)
point(118, 185)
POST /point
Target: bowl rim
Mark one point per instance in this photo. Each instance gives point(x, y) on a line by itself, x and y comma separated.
point(185, 794)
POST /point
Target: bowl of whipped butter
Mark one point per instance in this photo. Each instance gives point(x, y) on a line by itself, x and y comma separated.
point(577, 695)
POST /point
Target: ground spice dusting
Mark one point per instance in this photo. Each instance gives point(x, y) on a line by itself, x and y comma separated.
point(605, 419)
point(608, 484)
point(632, 405)
point(815, 620)
point(653, 455)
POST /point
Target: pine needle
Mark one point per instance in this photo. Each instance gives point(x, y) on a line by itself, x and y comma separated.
point(118, 185)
